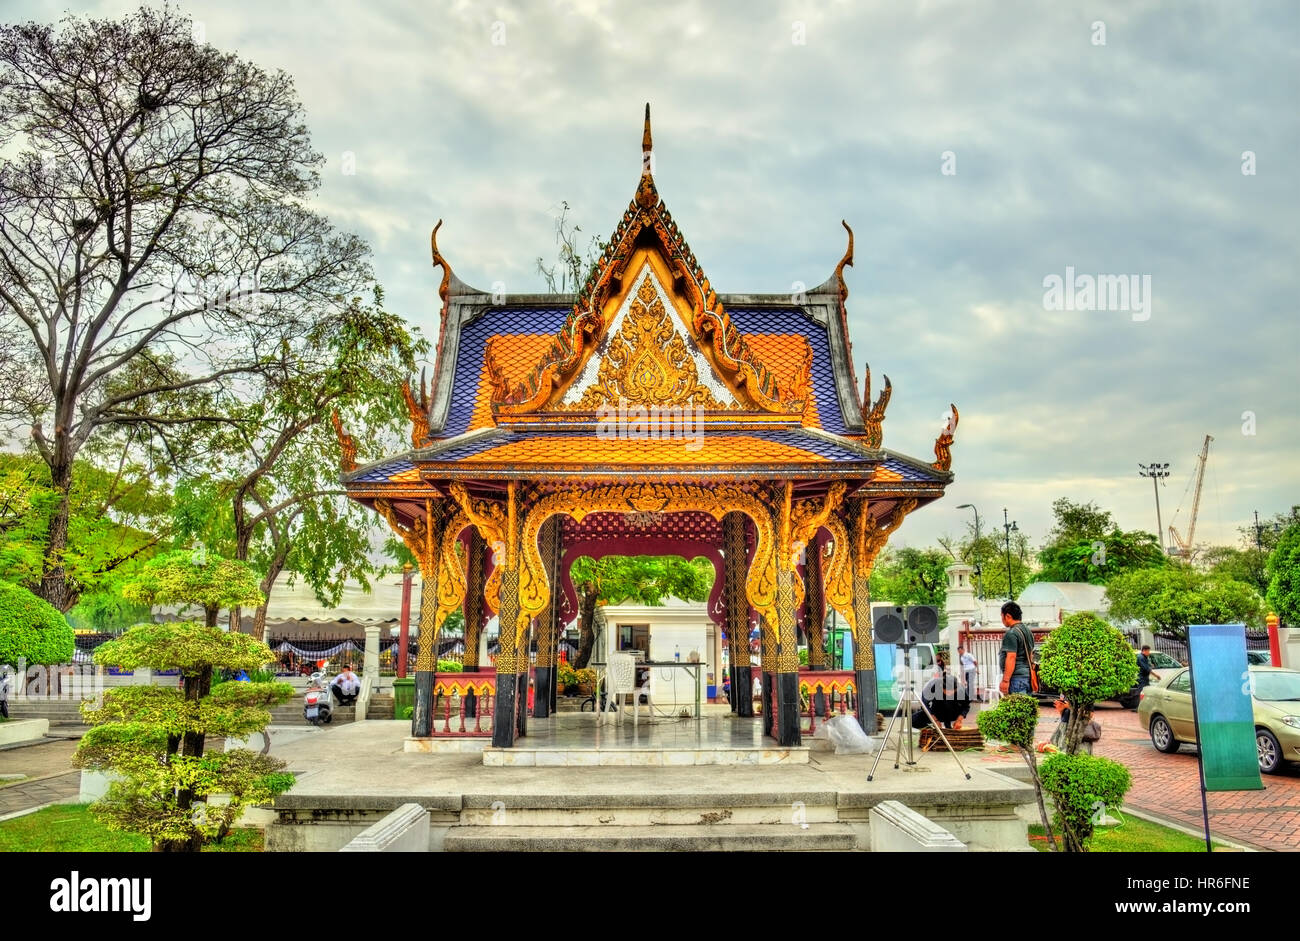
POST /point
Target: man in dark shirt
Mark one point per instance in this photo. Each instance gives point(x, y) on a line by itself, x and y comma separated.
point(1145, 673)
point(1017, 648)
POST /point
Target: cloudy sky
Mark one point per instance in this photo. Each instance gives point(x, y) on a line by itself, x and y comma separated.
point(1108, 137)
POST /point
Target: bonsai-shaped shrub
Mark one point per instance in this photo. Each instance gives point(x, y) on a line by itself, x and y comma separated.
point(152, 737)
point(1014, 721)
point(184, 578)
point(1086, 661)
point(1082, 787)
point(32, 631)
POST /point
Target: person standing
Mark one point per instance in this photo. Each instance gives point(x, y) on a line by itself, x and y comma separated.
point(1017, 648)
point(968, 668)
point(1145, 673)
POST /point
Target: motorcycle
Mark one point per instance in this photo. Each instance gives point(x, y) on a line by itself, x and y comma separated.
point(318, 704)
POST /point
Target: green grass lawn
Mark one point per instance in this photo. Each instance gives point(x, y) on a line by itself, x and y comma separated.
point(72, 828)
point(1132, 836)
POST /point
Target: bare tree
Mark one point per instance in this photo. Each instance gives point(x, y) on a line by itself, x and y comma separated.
point(152, 219)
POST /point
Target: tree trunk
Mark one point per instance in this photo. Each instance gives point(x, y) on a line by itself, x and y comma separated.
point(586, 626)
point(197, 686)
point(272, 573)
point(54, 586)
point(1028, 755)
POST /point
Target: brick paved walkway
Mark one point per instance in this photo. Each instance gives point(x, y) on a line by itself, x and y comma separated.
point(1170, 786)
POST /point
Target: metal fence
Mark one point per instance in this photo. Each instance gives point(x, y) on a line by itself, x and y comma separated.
point(1176, 647)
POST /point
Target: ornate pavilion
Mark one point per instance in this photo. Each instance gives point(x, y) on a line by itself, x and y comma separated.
point(647, 415)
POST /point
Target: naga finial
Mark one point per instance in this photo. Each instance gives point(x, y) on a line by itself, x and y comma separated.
point(873, 414)
point(417, 406)
point(347, 445)
point(943, 444)
point(440, 262)
point(846, 260)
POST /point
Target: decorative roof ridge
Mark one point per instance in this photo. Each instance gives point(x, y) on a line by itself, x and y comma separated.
point(585, 324)
point(917, 463)
point(848, 441)
point(466, 437)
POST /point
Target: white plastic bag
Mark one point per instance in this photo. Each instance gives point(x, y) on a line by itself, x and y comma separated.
point(848, 738)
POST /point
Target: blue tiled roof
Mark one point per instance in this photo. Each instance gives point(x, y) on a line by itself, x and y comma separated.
point(766, 320)
point(385, 470)
point(909, 472)
point(472, 347)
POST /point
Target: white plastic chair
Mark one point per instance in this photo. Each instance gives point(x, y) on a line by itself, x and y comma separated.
point(622, 682)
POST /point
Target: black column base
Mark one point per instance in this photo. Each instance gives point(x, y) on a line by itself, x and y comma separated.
point(731, 676)
point(819, 704)
point(469, 704)
point(422, 714)
point(542, 692)
point(742, 690)
point(521, 698)
point(868, 702)
point(787, 690)
point(503, 720)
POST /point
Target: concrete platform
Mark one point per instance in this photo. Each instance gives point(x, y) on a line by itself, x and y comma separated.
point(350, 776)
point(576, 740)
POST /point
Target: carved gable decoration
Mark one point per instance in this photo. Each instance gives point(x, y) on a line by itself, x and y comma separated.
point(612, 321)
point(647, 357)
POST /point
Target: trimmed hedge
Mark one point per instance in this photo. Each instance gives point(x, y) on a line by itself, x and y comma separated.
point(31, 629)
point(1083, 787)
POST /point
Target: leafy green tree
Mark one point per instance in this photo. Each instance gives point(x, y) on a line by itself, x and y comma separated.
point(275, 463)
point(912, 576)
point(152, 738)
point(1168, 599)
point(1082, 787)
point(154, 193)
point(1283, 572)
point(1240, 565)
point(1086, 562)
point(1013, 721)
point(32, 631)
point(1078, 522)
point(114, 516)
point(642, 579)
point(1086, 661)
point(199, 578)
point(989, 556)
point(1085, 545)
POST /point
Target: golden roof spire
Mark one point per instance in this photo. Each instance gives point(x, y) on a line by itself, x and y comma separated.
point(646, 194)
point(646, 145)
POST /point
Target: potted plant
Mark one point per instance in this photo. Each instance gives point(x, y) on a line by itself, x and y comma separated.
point(586, 681)
point(567, 679)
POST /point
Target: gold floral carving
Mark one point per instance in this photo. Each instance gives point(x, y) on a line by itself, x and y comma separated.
point(434, 541)
point(837, 574)
point(873, 414)
point(647, 362)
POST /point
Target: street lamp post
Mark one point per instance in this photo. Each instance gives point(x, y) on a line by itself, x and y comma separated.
point(1156, 472)
point(1009, 527)
point(979, 575)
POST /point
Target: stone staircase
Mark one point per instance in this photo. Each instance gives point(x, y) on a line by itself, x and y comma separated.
point(291, 713)
point(673, 823)
point(381, 706)
point(57, 711)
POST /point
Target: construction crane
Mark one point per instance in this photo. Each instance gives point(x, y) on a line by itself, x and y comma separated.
point(1179, 547)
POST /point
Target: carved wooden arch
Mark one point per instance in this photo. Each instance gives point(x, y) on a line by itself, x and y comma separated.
point(717, 501)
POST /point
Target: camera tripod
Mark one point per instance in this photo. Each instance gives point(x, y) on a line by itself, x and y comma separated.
point(904, 709)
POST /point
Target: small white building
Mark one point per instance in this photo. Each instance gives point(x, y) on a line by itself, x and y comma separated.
point(675, 630)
